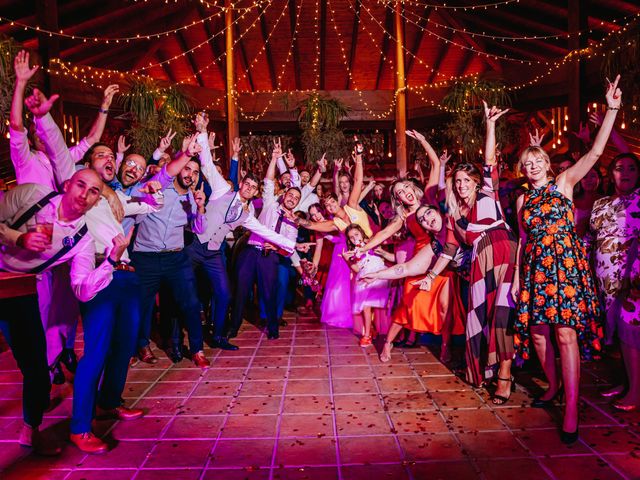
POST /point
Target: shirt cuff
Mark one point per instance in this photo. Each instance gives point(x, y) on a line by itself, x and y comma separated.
point(157, 154)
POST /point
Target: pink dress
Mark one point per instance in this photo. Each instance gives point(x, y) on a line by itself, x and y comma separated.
point(336, 300)
point(376, 294)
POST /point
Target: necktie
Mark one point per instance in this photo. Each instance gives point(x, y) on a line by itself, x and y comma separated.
point(234, 211)
point(279, 222)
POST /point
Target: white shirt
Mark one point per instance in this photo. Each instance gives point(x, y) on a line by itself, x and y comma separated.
point(271, 212)
point(86, 280)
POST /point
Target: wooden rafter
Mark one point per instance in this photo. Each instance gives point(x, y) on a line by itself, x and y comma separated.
point(294, 43)
point(216, 52)
point(192, 63)
point(442, 54)
point(323, 42)
point(267, 51)
point(386, 45)
point(243, 56)
point(422, 23)
point(165, 66)
point(354, 42)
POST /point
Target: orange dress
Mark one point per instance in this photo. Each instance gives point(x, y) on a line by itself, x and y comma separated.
point(425, 312)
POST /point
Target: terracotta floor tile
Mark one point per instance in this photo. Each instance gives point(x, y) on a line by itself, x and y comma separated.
point(610, 439)
point(473, 420)
point(458, 470)
point(221, 374)
point(239, 362)
point(432, 369)
point(378, 472)
point(175, 474)
point(519, 418)
point(239, 426)
point(430, 447)
point(392, 370)
point(301, 361)
point(348, 360)
point(347, 385)
point(306, 451)
point(365, 423)
point(262, 387)
point(202, 427)
point(141, 429)
point(253, 405)
point(400, 385)
point(96, 475)
point(418, 422)
point(242, 453)
point(628, 463)
point(445, 383)
point(266, 373)
point(215, 389)
point(237, 474)
point(526, 469)
point(168, 389)
point(206, 406)
point(135, 390)
point(369, 449)
point(410, 401)
point(580, 467)
point(307, 404)
point(306, 473)
point(464, 399)
point(491, 444)
point(315, 350)
point(359, 371)
point(357, 403)
point(301, 373)
point(182, 375)
point(125, 455)
point(180, 453)
point(309, 387)
point(312, 425)
point(160, 406)
point(547, 442)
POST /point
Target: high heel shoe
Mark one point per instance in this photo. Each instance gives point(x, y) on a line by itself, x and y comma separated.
point(501, 400)
point(539, 403)
point(569, 438)
point(625, 408)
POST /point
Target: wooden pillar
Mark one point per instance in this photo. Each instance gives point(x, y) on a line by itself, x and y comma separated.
point(233, 127)
point(49, 48)
point(401, 100)
point(576, 81)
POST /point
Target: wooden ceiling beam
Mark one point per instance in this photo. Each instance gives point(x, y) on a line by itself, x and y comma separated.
point(192, 63)
point(386, 45)
point(442, 54)
point(294, 43)
point(216, 51)
point(471, 41)
point(422, 23)
point(354, 42)
point(527, 25)
point(243, 57)
point(165, 66)
point(267, 51)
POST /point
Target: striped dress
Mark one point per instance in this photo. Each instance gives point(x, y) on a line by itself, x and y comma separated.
point(491, 312)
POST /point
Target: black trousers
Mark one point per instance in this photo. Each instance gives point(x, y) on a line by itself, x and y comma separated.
point(255, 265)
point(22, 328)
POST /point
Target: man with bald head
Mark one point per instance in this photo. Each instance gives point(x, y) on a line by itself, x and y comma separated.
point(40, 229)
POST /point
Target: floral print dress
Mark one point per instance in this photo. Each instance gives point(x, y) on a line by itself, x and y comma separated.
point(557, 286)
point(615, 226)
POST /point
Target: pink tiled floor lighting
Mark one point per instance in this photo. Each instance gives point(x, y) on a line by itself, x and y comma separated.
point(315, 405)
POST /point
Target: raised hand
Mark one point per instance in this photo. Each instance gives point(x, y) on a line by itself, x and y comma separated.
point(494, 113)
point(122, 144)
point(107, 98)
point(289, 159)
point(38, 104)
point(21, 67)
point(186, 141)
point(535, 139)
point(445, 157)
point(193, 147)
point(583, 134)
point(199, 197)
point(211, 140)
point(416, 135)
point(165, 142)
point(277, 148)
point(337, 163)
point(236, 146)
point(596, 118)
point(614, 94)
point(322, 163)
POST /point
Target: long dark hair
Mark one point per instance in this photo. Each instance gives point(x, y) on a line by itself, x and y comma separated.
point(354, 226)
point(612, 166)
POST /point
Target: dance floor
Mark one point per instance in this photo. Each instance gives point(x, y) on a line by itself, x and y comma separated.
point(315, 405)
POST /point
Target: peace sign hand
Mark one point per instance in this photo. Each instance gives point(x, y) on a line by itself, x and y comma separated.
point(165, 142)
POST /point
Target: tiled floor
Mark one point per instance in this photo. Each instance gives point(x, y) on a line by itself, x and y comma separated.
point(314, 405)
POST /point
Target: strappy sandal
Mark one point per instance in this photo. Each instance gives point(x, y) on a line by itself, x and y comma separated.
point(385, 356)
point(500, 399)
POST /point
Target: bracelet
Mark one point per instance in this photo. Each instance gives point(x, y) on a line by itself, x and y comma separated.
point(431, 275)
point(613, 108)
point(113, 264)
point(102, 110)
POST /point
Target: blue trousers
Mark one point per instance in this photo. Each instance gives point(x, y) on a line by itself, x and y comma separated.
point(22, 328)
point(111, 322)
point(254, 265)
point(286, 291)
point(214, 265)
point(173, 269)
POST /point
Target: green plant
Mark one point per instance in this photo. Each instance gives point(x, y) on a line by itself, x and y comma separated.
point(465, 130)
point(154, 111)
point(319, 117)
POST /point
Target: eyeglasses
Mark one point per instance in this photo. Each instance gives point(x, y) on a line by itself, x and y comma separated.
point(132, 163)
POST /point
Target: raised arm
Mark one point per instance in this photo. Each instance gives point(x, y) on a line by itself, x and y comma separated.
point(571, 176)
point(23, 75)
point(190, 148)
point(337, 166)
point(97, 129)
point(617, 140)
point(491, 115)
point(234, 166)
point(416, 266)
point(366, 190)
point(325, 226)
point(322, 168)
point(387, 232)
point(358, 179)
point(275, 155)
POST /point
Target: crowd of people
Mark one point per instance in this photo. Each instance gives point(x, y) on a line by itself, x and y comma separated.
point(143, 248)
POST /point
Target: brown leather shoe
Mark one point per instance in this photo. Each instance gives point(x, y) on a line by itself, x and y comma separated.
point(120, 413)
point(89, 443)
point(32, 438)
point(146, 355)
point(201, 361)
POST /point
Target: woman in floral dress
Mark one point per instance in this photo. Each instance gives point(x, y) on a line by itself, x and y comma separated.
point(615, 224)
point(557, 289)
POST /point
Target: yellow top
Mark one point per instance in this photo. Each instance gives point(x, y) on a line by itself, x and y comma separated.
point(357, 216)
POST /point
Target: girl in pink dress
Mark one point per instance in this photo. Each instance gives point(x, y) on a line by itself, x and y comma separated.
point(366, 299)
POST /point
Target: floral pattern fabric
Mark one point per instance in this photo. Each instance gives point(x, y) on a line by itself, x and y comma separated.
point(557, 286)
point(615, 227)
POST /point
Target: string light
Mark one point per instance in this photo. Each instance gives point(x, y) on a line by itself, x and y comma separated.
point(436, 6)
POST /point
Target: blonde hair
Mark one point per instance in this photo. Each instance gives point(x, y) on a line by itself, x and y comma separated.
point(397, 205)
point(538, 153)
point(453, 201)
